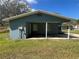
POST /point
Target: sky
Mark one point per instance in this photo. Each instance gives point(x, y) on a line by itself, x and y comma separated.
point(68, 8)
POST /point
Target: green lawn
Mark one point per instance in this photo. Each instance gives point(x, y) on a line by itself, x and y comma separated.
point(73, 31)
point(38, 49)
point(4, 36)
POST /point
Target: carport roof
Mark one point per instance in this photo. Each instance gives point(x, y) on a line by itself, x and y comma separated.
point(65, 19)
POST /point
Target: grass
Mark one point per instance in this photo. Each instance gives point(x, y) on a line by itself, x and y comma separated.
point(4, 35)
point(38, 49)
point(73, 31)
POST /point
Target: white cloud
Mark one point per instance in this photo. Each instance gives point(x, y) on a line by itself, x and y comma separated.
point(32, 1)
point(34, 10)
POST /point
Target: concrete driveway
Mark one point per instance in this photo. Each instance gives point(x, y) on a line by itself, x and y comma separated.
point(60, 36)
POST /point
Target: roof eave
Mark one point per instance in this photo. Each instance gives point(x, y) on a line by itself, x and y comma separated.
point(65, 19)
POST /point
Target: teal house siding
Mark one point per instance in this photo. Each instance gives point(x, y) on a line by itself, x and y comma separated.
point(15, 24)
point(39, 18)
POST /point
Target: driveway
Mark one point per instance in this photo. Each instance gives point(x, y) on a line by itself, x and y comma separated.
point(60, 36)
point(75, 35)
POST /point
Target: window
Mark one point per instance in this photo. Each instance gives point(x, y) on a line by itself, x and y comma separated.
point(35, 27)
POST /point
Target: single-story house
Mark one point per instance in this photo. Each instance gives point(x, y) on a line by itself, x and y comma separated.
point(35, 23)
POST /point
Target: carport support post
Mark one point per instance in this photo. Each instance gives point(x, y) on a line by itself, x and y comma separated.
point(46, 30)
point(68, 32)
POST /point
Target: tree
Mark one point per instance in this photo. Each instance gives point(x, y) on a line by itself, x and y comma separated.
point(13, 7)
point(77, 21)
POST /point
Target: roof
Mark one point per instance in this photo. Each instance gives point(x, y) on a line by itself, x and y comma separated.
point(65, 19)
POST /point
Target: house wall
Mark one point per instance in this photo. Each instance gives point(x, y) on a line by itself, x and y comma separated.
point(15, 24)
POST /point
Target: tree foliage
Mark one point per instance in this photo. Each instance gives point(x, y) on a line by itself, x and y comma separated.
point(77, 21)
point(12, 7)
point(74, 21)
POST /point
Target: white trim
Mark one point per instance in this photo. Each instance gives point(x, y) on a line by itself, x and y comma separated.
point(46, 30)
